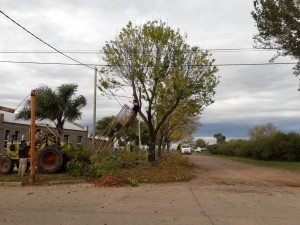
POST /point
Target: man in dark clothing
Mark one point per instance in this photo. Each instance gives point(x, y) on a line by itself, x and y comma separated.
point(135, 106)
point(23, 155)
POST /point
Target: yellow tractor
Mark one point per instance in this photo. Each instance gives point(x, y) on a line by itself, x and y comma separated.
point(49, 158)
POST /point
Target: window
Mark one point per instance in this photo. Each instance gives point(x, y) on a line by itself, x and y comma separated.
point(6, 140)
point(79, 141)
point(17, 133)
point(66, 138)
point(7, 135)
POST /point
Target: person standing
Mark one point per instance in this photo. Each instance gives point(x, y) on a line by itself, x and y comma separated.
point(23, 155)
point(38, 137)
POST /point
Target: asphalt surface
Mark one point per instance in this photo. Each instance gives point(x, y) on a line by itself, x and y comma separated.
point(207, 200)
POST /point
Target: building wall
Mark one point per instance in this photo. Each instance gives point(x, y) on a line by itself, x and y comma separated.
point(12, 129)
point(22, 132)
point(1, 133)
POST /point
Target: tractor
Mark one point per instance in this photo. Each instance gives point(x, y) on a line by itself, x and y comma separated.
point(49, 158)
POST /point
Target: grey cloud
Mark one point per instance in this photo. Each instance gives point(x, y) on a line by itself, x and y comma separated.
point(246, 95)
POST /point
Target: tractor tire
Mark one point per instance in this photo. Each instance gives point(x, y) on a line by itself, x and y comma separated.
point(49, 160)
point(6, 165)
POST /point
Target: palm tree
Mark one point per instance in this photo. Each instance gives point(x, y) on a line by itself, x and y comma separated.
point(58, 106)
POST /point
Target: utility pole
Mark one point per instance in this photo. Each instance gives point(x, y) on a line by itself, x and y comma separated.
point(32, 140)
point(139, 123)
point(94, 109)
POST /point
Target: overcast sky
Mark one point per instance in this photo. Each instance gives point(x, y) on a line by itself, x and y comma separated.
point(246, 96)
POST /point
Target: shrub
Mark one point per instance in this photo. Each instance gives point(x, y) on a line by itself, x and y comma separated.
point(76, 168)
point(76, 153)
point(280, 146)
point(175, 160)
point(132, 159)
point(78, 159)
point(290, 146)
point(103, 166)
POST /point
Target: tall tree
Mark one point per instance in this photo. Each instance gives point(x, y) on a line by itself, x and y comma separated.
point(161, 69)
point(176, 127)
point(261, 131)
point(220, 138)
point(278, 24)
point(58, 106)
point(180, 125)
point(200, 143)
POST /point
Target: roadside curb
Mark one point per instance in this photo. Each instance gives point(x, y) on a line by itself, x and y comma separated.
point(58, 182)
point(12, 184)
point(67, 182)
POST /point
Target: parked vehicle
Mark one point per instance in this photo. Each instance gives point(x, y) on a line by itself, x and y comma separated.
point(185, 148)
point(199, 150)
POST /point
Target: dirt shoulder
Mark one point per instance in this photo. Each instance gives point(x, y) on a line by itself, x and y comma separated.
point(214, 170)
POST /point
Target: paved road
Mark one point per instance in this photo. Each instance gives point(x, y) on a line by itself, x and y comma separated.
point(225, 193)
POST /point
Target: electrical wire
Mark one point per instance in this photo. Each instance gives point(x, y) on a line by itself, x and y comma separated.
point(22, 102)
point(100, 51)
point(107, 65)
point(115, 97)
point(45, 42)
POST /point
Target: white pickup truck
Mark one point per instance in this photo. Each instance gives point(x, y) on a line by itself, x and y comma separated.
point(186, 149)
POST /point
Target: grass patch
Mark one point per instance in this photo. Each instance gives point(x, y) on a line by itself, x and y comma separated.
point(172, 167)
point(294, 166)
point(41, 179)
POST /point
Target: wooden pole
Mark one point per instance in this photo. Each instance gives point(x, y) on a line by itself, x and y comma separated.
point(32, 140)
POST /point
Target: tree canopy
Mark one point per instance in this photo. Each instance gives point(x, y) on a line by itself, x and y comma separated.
point(278, 24)
point(220, 138)
point(162, 71)
point(200, 143)
point(179, 126)
point(58, 106)
point(261, 131)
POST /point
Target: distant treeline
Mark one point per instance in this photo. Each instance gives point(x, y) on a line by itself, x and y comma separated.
point(280, 146)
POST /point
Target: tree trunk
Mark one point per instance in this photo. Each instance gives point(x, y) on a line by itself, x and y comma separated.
point(151, 152)
point(159, 148)
point(168, 147)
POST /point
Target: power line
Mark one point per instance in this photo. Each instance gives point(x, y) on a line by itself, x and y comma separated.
point(101, 51)
point(48, 52)
point(107, 65)
point(79, 63)
point(22, 101)
point(42, 63)
point(44, 41)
